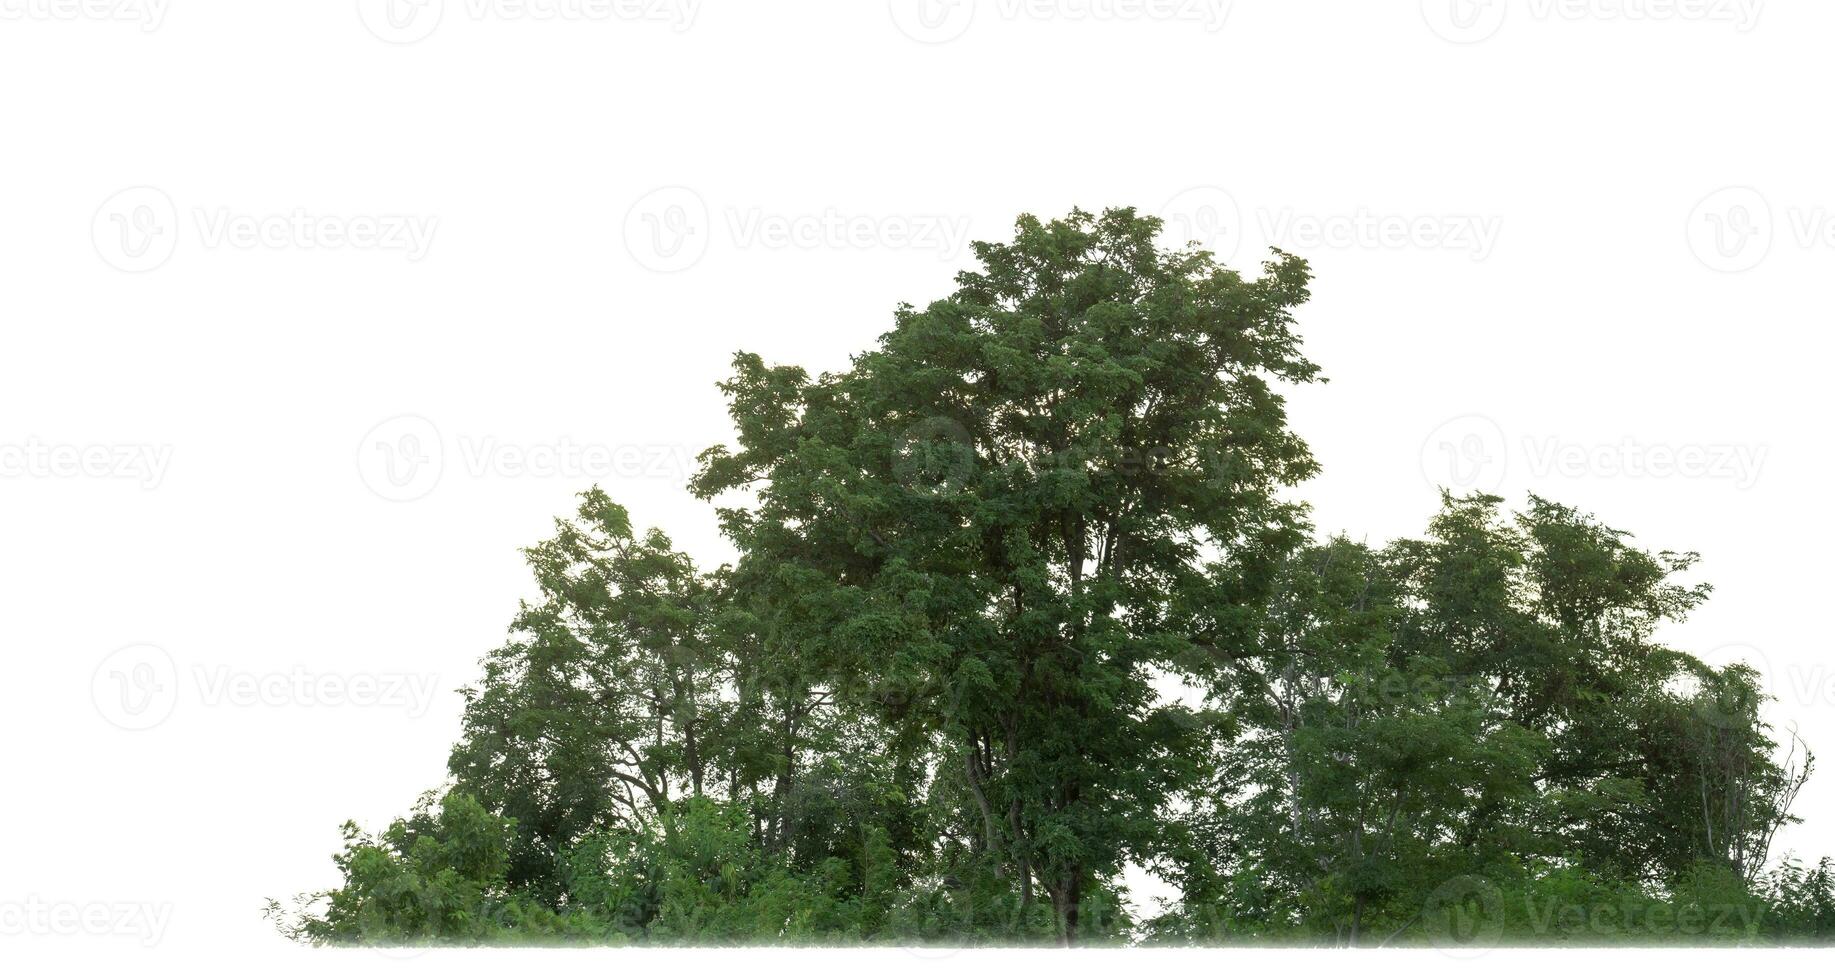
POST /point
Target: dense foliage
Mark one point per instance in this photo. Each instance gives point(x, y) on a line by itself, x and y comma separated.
point(1020, 604)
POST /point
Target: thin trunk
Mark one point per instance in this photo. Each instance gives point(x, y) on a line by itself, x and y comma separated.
point(973, 765)
point(690, 733)
point(780, 829)
point(1021, 853)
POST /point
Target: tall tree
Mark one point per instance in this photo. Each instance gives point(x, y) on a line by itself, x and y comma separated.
point(999, 509)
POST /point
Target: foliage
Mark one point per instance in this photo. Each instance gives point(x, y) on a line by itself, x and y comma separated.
point(1021, 602)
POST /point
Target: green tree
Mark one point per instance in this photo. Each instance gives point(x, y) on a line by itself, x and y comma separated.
point(606, 704)
point(1488, 701)
point(1022, 599)
point(1000, 507)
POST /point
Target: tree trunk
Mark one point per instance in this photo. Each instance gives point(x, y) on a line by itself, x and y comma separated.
point(1066, 905)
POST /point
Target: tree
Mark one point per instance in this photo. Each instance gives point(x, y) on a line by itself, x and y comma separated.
point(606, 701)
point(1021, 599)
point(1001, 507)
point(1485, 701)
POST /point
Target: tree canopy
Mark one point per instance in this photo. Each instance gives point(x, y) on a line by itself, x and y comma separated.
point(1025, 599)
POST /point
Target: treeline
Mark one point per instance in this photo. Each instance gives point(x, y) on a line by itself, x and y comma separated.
point(1021, 602)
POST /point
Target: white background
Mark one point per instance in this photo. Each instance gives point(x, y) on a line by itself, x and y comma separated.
point(1580, 250)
